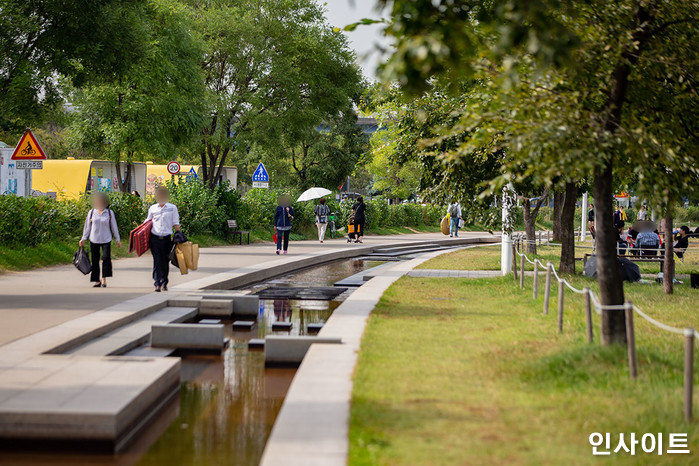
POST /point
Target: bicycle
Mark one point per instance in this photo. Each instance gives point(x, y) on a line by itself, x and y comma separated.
point(331, 224)
point(29, 150)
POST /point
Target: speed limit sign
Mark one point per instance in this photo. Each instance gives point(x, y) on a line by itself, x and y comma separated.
point(173, 168)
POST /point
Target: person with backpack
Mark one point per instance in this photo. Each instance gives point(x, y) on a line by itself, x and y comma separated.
point(100, 227)
point(321, 212)
point(454, 211)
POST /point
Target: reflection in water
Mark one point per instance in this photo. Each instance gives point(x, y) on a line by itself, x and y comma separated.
point(227, 403)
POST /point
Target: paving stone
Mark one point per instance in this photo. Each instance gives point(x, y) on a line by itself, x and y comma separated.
point(256, 343)
point(246, 305)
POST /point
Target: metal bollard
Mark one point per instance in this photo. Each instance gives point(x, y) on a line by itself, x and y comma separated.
point(547, 287)
point(688, 372)
point(588, 314)
point(561, 289)
point(631, 340)
point(521, 273)
point(535, 291)
point(514, 260)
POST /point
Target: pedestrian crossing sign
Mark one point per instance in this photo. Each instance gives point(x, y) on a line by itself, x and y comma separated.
point(260, 174)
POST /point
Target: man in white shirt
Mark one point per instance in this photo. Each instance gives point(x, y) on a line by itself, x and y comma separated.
point(165, 218)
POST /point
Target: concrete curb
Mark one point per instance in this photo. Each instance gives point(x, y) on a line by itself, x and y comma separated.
point(313, 424)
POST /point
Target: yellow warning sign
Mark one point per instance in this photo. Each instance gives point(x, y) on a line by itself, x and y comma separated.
point(28, 148)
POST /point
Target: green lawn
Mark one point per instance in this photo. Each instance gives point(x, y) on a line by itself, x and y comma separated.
point(464, 371)
point(488, 258)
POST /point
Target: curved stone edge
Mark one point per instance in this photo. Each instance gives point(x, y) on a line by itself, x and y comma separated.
point(313, 424)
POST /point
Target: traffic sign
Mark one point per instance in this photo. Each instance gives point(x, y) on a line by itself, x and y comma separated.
point(260, 174)
point(260, 184)
point(173, 168)
point(28, 148)
point(29, 164)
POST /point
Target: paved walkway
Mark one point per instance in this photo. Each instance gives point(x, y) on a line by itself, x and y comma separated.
point(39, 299)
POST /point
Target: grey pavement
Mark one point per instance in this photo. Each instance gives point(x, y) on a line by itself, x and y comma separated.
point(39, 299)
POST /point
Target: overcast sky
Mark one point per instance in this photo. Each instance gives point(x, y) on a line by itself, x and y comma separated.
point(364, 39)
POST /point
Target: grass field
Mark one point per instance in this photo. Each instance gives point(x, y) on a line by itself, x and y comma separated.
point(465, 371)
point(488, 258)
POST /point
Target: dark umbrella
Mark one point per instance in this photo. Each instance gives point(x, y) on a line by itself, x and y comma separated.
point(629, 271)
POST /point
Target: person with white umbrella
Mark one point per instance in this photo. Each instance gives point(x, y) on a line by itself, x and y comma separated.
point(321, 211)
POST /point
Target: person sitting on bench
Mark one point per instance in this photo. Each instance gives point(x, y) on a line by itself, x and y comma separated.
point(621, 243)
point(648, 243)
point(682, 241)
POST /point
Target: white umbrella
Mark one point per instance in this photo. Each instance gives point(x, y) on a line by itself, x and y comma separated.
point(313, 193)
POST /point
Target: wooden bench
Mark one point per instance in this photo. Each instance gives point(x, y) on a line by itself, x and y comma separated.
point(233, 229)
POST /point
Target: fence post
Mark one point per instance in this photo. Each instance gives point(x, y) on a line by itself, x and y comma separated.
point(588, 313)
point(561, 290)
point(514, 260)
point(547, 287)
point(688, 372)
point(521, 273)
point(535, 291)
point(631, 340)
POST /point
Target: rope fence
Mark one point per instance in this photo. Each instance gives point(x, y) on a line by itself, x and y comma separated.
point(592, 302)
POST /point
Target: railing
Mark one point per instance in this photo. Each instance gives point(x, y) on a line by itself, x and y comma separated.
point(592, 301)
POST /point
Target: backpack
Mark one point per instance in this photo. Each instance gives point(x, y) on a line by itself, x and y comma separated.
point(453, 210)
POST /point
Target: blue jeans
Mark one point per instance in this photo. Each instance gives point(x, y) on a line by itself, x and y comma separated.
point(454, 226)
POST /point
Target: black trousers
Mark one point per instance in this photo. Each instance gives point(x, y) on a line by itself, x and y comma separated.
point(160, 249)
point(359, 227)
point(283, 237)
point(106, 260)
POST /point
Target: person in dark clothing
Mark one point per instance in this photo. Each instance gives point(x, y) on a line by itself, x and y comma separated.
point(591, 220)
point(682, 241)
point(359, 213)
point(165, 219)
point(283, 216)
point(621, 243)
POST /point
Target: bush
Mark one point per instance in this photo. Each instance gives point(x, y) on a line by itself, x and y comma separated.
point(199, 208)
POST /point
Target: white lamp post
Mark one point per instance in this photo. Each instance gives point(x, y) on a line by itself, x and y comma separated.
point(506, 245)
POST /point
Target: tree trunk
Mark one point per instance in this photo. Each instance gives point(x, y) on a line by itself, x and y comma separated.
point(529, 226)
point(558, 199)
point(567, 228)
point(669, 262)
point(608, 271)
point(124, 183)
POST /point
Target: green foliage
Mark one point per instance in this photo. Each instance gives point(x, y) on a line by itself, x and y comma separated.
point(129, 210)
point(199, 207)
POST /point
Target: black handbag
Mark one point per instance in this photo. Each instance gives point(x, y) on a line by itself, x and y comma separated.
point(81, 260)
point(173, 256)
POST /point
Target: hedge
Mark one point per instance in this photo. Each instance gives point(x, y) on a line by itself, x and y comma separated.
point(31, 221)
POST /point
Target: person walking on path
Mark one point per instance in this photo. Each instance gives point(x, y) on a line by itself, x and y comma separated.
point(454, 211)
point(283, 217)
point(642, 213)
point(100, 227)
point(359, 213)
point(321, 212)
point(591, 220)
point(165, 218)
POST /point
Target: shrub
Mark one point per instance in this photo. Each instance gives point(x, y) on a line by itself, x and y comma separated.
point(199, 208)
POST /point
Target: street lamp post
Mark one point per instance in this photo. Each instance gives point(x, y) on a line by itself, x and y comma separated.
point(506, 244)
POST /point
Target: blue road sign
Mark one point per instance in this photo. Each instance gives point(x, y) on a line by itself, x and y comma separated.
point(192, 175)
point(260, 174)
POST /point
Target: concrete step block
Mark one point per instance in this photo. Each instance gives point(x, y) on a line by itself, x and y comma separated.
point(218, 307)
point(243, 325)
point(209, 321)
point(247, 305)
point(314, 328)
point(282, 326)
point(187, 336)
point(290, 350)
point(256, 343)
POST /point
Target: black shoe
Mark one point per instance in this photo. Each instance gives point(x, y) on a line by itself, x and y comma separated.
point(96, 285)
point(164, 287)
point(157, 289)
point(104, 285)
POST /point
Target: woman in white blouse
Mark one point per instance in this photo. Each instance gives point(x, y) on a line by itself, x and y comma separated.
point(100, 227)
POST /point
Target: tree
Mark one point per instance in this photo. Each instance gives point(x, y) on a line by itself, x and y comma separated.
point(531, 211)
point(82, 39)
point(155, 106)
point(578, 88)
point(263, 61)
